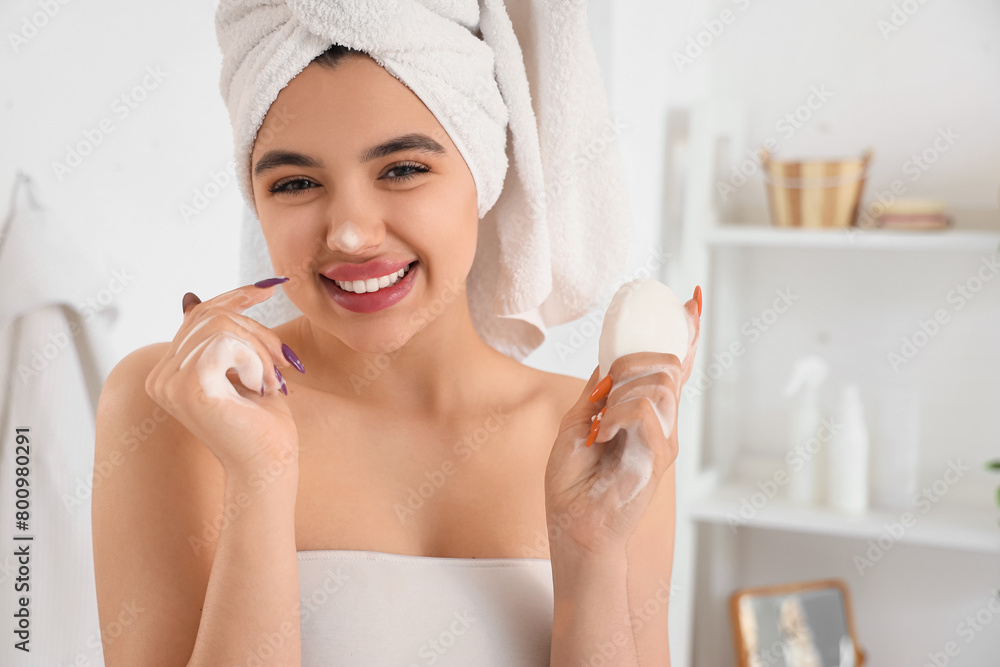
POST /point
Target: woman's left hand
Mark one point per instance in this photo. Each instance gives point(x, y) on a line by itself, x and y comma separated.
point(597, 495)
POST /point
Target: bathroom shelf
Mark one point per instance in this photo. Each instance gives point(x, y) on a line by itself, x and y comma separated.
point(970, 529)
point(976, 240)
point(712, 560)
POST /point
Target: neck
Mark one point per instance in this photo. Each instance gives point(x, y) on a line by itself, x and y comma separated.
point(436, 372)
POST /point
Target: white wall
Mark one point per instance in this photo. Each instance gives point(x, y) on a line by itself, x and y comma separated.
point(124, 197)
point(885, 86)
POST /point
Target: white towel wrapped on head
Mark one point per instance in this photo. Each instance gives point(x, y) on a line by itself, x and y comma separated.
point(555, 228)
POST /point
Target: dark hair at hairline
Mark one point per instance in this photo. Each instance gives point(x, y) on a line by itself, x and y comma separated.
point(334, 55)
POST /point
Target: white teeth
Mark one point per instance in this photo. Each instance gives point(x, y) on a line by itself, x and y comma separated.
point(372, 284)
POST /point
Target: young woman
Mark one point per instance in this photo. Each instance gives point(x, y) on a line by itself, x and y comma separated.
point(227, 474)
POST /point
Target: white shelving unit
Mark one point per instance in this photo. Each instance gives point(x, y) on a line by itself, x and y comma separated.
point(945, 551)
point(876, 239)
point(973, 529)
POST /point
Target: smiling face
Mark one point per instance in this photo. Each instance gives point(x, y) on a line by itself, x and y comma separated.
point(350, 166)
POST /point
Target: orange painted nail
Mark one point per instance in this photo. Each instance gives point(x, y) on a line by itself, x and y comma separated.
point(596, 426)
point(697, 296)
point(601, 390)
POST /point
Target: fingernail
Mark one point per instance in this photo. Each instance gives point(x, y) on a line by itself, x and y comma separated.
point(284, 389)
point(190, 299)
point(601, 390)
point(270, 282)
point(593, 432)
point(697, 296)
point(595, 427)
point(292, 358)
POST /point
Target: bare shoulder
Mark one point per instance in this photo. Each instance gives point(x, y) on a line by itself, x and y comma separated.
point(156, 491)
point(556, 390)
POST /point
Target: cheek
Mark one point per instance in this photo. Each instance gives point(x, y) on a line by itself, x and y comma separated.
point(293, 249)
point(442, 219)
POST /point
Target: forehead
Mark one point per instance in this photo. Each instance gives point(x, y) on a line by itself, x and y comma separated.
point(352, 106)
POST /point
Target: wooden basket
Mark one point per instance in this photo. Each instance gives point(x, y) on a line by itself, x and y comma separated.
point(814, 194)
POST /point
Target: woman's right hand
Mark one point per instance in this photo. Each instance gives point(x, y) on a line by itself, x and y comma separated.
point(245, 430)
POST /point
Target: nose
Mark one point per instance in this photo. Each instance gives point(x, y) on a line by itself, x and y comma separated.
point(347, 237)
point(355, 233)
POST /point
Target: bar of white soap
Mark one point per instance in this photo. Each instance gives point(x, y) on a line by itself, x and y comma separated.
point(644, 316)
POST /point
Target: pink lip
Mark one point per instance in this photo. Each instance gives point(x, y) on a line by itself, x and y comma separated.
point(373, 268)
point(371, 302)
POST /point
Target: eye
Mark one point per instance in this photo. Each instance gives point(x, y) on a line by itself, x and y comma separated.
point(412, 166)
point(283, 187)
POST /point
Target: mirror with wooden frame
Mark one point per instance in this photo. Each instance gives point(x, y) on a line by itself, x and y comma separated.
point(805, 624)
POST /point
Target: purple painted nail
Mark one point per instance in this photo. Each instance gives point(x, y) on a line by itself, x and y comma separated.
point(190, 299)
point(292, 358)
point(284, 388)
point(270, 282)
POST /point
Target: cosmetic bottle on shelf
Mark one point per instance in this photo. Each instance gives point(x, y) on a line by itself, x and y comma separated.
point(847, 461)
point(896, 449)
point(806, 448)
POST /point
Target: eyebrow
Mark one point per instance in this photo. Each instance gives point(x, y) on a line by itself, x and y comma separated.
point(406, 142)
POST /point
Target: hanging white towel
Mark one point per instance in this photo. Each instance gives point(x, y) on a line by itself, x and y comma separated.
point(54, 365)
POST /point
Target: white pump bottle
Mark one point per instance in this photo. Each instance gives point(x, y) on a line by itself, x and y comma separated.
point(806, 451)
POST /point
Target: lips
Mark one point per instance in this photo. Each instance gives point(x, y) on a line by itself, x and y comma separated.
point(373, 268)
point(382, 282)
point(370, 302)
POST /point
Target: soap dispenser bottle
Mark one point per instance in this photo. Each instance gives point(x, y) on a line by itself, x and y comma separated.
point(806, 450)
point(848, 456)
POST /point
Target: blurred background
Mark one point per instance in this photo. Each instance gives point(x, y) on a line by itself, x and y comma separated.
point(842, 412)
